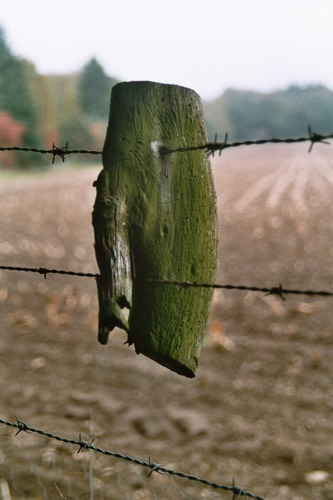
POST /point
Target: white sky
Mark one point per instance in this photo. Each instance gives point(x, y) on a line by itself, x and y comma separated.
point(206, 45)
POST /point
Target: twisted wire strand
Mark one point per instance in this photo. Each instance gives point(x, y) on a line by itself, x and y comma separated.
point(44, 271)
point(212, 147)
point(86, 445)
point(275, 290)
point(209, 147)
point(55, 152)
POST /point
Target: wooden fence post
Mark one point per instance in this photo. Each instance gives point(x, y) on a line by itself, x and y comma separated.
point(155, 219)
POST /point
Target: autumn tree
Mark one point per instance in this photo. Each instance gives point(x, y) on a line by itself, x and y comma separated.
point(11, 132)
point(15, 96)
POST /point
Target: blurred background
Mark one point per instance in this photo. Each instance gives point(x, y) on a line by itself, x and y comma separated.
point(260, 407)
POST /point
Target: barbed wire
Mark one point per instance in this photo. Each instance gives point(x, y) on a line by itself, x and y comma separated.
point(210, 147)
point(44, 271)
point(275, 290)
point(61, 151)
point(154, 467)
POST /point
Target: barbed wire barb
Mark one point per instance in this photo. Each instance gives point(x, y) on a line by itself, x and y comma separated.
point(86, 445)
point(62, 151)
point(313, 137)
point(21, 427)
point(277, 291)
point(218, 148)
point(154, 467)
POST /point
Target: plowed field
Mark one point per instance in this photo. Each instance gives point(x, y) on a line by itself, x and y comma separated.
point(260, 409)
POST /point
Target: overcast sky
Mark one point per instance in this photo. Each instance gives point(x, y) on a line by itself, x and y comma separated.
point(207, 45)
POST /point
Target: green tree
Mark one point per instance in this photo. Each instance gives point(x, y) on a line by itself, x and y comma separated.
point(95, 87)
point(16, 99)
point(75, 130)
point(286, 113)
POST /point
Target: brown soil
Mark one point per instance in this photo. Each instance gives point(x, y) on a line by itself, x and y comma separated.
point(260, 408)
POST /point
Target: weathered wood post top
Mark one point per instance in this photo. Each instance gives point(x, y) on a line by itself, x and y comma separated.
point(155, 221)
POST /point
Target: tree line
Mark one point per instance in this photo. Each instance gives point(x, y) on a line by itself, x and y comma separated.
point(39, 110)
point(285, 113)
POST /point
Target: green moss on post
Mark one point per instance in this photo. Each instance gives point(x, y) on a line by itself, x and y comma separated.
point(155, 218)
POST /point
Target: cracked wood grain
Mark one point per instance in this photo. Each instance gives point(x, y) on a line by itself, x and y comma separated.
point(155, 218)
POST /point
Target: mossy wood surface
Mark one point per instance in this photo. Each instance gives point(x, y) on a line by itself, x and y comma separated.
point(155, 218)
